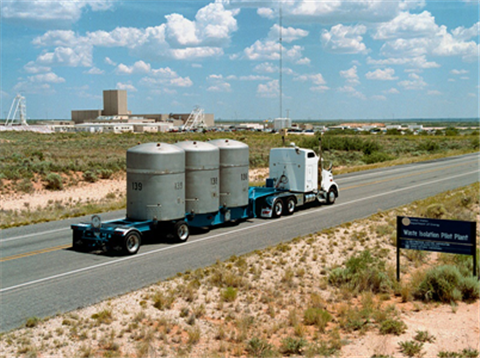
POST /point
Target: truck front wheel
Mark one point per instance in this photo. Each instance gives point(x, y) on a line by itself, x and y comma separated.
point(277, 208)
point(181, 231)
point(331, 196)
point(131, 243)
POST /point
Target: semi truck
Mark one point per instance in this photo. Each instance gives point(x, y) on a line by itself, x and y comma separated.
point(174, 187)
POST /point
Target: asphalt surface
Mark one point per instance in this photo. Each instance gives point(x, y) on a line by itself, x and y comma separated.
point(40, 276)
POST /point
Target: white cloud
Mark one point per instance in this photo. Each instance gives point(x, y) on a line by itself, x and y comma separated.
point(108, 61)
point(379, 98)
point(419, 62)
point(351, 76)
point(434, 93)
point(94, 71)
point(392, 91)
point(266, 13)
point(46, 11)
point(266, 67)
point(416, 35)
point(344, 39)
point(382, 75)
point(220, 87)
point(178, 38)
point(126, 86)
point(138, 67)
point(316, 79)
point(165, 77)
point(320, 89)
point(329, 12)
point(49, 77)
point(67, 56)
point(351, 91)
point(289, 34)
point(407, 25)
point(213, 26)
point(463, 34)
point(458, 72)
point(269, 90)
point(32, 67)
point(270, 50)
point(253, 78)
point(416, 82)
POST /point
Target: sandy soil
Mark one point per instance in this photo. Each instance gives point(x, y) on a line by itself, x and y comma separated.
point(136, 328)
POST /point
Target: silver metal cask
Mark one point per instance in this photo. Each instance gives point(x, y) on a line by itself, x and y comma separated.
point(155, 182)
point(202, 188)
point(234, 163)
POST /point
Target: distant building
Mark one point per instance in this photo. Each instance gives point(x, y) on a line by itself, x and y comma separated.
point(115, 110)
point(281, 123)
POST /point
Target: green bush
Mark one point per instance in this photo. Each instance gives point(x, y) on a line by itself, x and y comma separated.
point(229, 294)
point(376, 157)
point(90, 176)
point(362, 272)
point(317, 317)
point(53, 182)
point(257, 347)
point(293, 346)
point(446, 284)
point(393, 326)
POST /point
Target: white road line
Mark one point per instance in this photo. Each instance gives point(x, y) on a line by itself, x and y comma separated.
point(68, 273)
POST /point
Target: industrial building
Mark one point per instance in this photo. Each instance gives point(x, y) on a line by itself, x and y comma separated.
point(115, 110)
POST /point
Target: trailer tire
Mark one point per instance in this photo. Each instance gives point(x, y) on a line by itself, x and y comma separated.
point(290, 206)
point(331, 196)
point(181, 231)
point(131, 243)
point(277, 208)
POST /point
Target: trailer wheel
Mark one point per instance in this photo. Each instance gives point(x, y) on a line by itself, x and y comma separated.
point(331, 196)
point(277, 208)
point(131, 243)
point(290, 207)
point(181, 231)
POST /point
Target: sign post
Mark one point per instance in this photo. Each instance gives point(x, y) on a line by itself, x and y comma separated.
point(449, 236)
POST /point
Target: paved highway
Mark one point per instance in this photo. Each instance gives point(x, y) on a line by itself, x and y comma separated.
point(41, 276)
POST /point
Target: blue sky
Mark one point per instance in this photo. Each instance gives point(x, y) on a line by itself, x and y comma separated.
point(365, 59)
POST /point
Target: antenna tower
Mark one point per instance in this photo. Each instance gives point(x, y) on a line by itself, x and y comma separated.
point(281, 57)
point(18, 112)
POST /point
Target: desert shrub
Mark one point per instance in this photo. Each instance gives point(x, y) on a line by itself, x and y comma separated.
point(317, 317)
point(464, 353)
point(162, 301)
point(293, 346)
point(393, 326)
point(257, 347)
point(53, 182)
point(362, 272)
point(229, 294)
point(446, 284)
point(434, 211)
point(106, 173)
point(424, 336)
point(411, 348)
point(90, 176)
point(376, 157)
point(430, 146)
point(26, 186)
